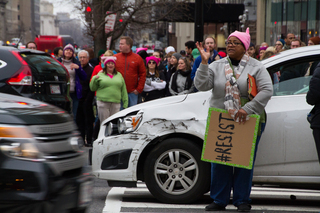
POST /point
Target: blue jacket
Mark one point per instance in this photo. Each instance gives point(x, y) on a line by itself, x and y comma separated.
point(198, 61)
point(80, 74)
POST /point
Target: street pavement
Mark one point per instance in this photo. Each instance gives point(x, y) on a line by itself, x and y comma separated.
point(264, 200)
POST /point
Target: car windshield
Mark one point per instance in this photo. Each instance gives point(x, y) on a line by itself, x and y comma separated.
point(43, 63)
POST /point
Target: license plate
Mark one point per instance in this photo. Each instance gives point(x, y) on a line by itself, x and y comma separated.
point(85, 196)
point(55, 89)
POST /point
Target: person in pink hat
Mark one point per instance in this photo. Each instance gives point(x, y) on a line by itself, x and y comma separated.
point(110, 89)
point(227, 79)
point(155, 80)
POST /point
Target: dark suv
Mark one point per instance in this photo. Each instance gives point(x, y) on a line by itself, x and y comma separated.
point(41, 159)
point(34, 74)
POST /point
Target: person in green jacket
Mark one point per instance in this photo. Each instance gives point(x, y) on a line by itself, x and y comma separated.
point(110, 89)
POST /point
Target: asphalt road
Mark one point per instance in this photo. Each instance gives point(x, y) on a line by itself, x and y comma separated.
point(264, 200)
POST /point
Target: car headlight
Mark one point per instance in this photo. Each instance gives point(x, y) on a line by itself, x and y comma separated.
point(24, 149)
point(129, 123)
point(76, 143)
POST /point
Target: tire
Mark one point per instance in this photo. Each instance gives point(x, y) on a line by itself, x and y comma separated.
point(174, 172)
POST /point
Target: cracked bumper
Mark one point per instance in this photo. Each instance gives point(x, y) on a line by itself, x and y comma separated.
point(122, 152)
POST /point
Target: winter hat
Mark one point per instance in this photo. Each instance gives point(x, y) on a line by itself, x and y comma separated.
point(141, 48)
point(143, 54)
point(170, 49)
point(195, 53)
point(315, 40)
point(152, 58)
point(107, 59)
point(68, 46)
point(252, 44)
point(282, 41)
point(222, 54)
point(243, 37)
point(101, 52)
point(262, 48)
point(177, 56)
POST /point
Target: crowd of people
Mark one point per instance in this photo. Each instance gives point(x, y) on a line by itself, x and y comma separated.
point(116, 80)
point(119, 79)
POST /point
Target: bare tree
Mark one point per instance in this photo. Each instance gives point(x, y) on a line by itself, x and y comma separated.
point(135, 15)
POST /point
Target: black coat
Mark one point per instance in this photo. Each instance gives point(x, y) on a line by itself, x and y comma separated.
point(313, 97)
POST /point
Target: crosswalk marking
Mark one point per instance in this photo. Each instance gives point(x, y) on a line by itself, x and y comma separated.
point(130, 198)
point(113, 200)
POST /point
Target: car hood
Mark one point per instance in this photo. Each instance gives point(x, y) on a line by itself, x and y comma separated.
point(20, 110)
point(149, 104)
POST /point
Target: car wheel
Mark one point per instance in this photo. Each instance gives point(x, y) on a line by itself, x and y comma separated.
point(174, 172)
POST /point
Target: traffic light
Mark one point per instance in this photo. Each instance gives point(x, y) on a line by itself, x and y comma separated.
point(88, 13)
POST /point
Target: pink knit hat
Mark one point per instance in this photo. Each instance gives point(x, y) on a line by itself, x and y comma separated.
point(141, 48)
point(106, 59)
point(152, 58)
point(243, 37)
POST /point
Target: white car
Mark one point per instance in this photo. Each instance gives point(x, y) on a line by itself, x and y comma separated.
point(160, 142)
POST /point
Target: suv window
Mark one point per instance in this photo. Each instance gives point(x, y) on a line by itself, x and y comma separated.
point(293, 77)
point(43, 63)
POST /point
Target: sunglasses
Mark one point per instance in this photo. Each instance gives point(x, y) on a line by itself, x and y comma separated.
point(151, 62)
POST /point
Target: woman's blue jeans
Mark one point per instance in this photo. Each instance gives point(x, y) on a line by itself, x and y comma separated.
point(224, 178)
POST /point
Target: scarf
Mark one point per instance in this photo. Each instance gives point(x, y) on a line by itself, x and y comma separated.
point(232, 101)
point(188, 83)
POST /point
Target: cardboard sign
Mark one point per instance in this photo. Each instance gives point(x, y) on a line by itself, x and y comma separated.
point(228, 142)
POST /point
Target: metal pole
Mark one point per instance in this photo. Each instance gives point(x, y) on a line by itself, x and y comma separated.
point(198, 21)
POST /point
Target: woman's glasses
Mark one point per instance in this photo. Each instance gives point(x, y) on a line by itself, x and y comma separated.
point(230, 43)
point(151, 62)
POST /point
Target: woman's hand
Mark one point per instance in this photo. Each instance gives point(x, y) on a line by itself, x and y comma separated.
point(242, 115)
point(204, 55)
point(74, 66)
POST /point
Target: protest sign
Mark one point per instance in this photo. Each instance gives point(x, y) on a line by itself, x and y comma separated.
point(228, 142)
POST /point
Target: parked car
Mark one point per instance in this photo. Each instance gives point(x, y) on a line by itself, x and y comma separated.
point(42, 163)
point(160, 142)
point(34, 74)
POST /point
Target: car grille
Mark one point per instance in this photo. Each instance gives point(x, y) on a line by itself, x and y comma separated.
point(53, 141)
point(52, 128)
point(53, 138)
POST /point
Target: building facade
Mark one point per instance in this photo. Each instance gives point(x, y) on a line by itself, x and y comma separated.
point(69, 26)
point(268, 20)
point(19, 19)
point(300, 17)
point(48, 21)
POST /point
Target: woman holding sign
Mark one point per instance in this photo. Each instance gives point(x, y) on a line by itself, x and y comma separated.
point(227, 78)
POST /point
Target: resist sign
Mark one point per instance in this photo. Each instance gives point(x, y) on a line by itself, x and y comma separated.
point(227, 142)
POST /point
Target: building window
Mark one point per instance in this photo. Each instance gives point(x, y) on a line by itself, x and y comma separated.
point(18, 7)
point(299, 17)
point(19, 17)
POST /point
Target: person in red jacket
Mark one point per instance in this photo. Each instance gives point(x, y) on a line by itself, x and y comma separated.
point(132, 68)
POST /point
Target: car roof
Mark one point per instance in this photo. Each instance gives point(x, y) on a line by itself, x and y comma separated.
point(292, 54)
point(22, 50)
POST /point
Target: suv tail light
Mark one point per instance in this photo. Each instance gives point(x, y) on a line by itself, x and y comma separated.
point(23, 76)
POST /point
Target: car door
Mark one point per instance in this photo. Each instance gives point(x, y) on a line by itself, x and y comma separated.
point(287, 147)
